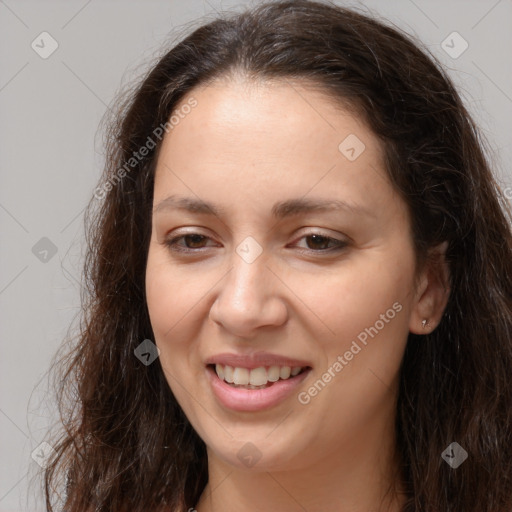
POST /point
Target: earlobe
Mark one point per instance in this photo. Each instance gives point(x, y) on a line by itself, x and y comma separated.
point(432, 292)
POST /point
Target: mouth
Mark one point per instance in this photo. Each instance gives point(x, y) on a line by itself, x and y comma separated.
point(253, 389)
point(255, 378)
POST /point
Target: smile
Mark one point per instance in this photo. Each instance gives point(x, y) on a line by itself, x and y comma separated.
point(256, 378)
point(250, 390)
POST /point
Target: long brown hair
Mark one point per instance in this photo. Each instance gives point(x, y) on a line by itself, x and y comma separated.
point(127, 444)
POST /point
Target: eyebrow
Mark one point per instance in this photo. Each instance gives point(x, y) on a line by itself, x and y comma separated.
point(280, 210)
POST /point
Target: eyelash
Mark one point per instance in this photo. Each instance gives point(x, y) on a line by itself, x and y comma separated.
point(173, 245)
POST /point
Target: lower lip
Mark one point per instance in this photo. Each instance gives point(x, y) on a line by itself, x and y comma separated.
point(240, 399)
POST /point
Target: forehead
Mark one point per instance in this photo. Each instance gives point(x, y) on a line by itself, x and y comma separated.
point(264, 139)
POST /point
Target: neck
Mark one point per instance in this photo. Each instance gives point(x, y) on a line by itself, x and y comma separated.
point(357, 476)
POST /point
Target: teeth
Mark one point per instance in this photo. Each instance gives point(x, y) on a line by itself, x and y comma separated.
point(284, 372)
point(241, 376)
point(228, 374)
point(273, 373)
point(257, 377)
point(220, 371)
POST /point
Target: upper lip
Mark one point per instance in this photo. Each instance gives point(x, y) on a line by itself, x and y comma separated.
point(255, 360)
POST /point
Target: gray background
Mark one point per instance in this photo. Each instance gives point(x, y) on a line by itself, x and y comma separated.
point(51, 157)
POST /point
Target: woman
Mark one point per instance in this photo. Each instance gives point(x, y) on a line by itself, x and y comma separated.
point(300, 283)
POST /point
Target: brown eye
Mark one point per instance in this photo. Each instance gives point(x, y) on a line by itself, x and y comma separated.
point(320, 243)
point(194, 241)
point(187, 243)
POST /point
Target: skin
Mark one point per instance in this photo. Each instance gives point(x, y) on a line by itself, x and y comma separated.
point(245, 146)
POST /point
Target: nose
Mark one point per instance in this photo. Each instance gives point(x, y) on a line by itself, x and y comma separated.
point(250, 296)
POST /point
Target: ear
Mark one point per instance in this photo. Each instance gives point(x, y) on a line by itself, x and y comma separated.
point(432, 292)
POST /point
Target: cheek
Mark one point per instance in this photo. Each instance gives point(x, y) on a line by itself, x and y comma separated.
point(170, 294)
point(173, 304)
point(171, 298)
point(365, 293)
point(163, 304)
point(367, 309)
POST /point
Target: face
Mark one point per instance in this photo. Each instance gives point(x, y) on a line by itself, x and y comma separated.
point(278, 245)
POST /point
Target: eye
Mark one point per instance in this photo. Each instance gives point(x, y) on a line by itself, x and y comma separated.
point(192, 242)
point(316, 242)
